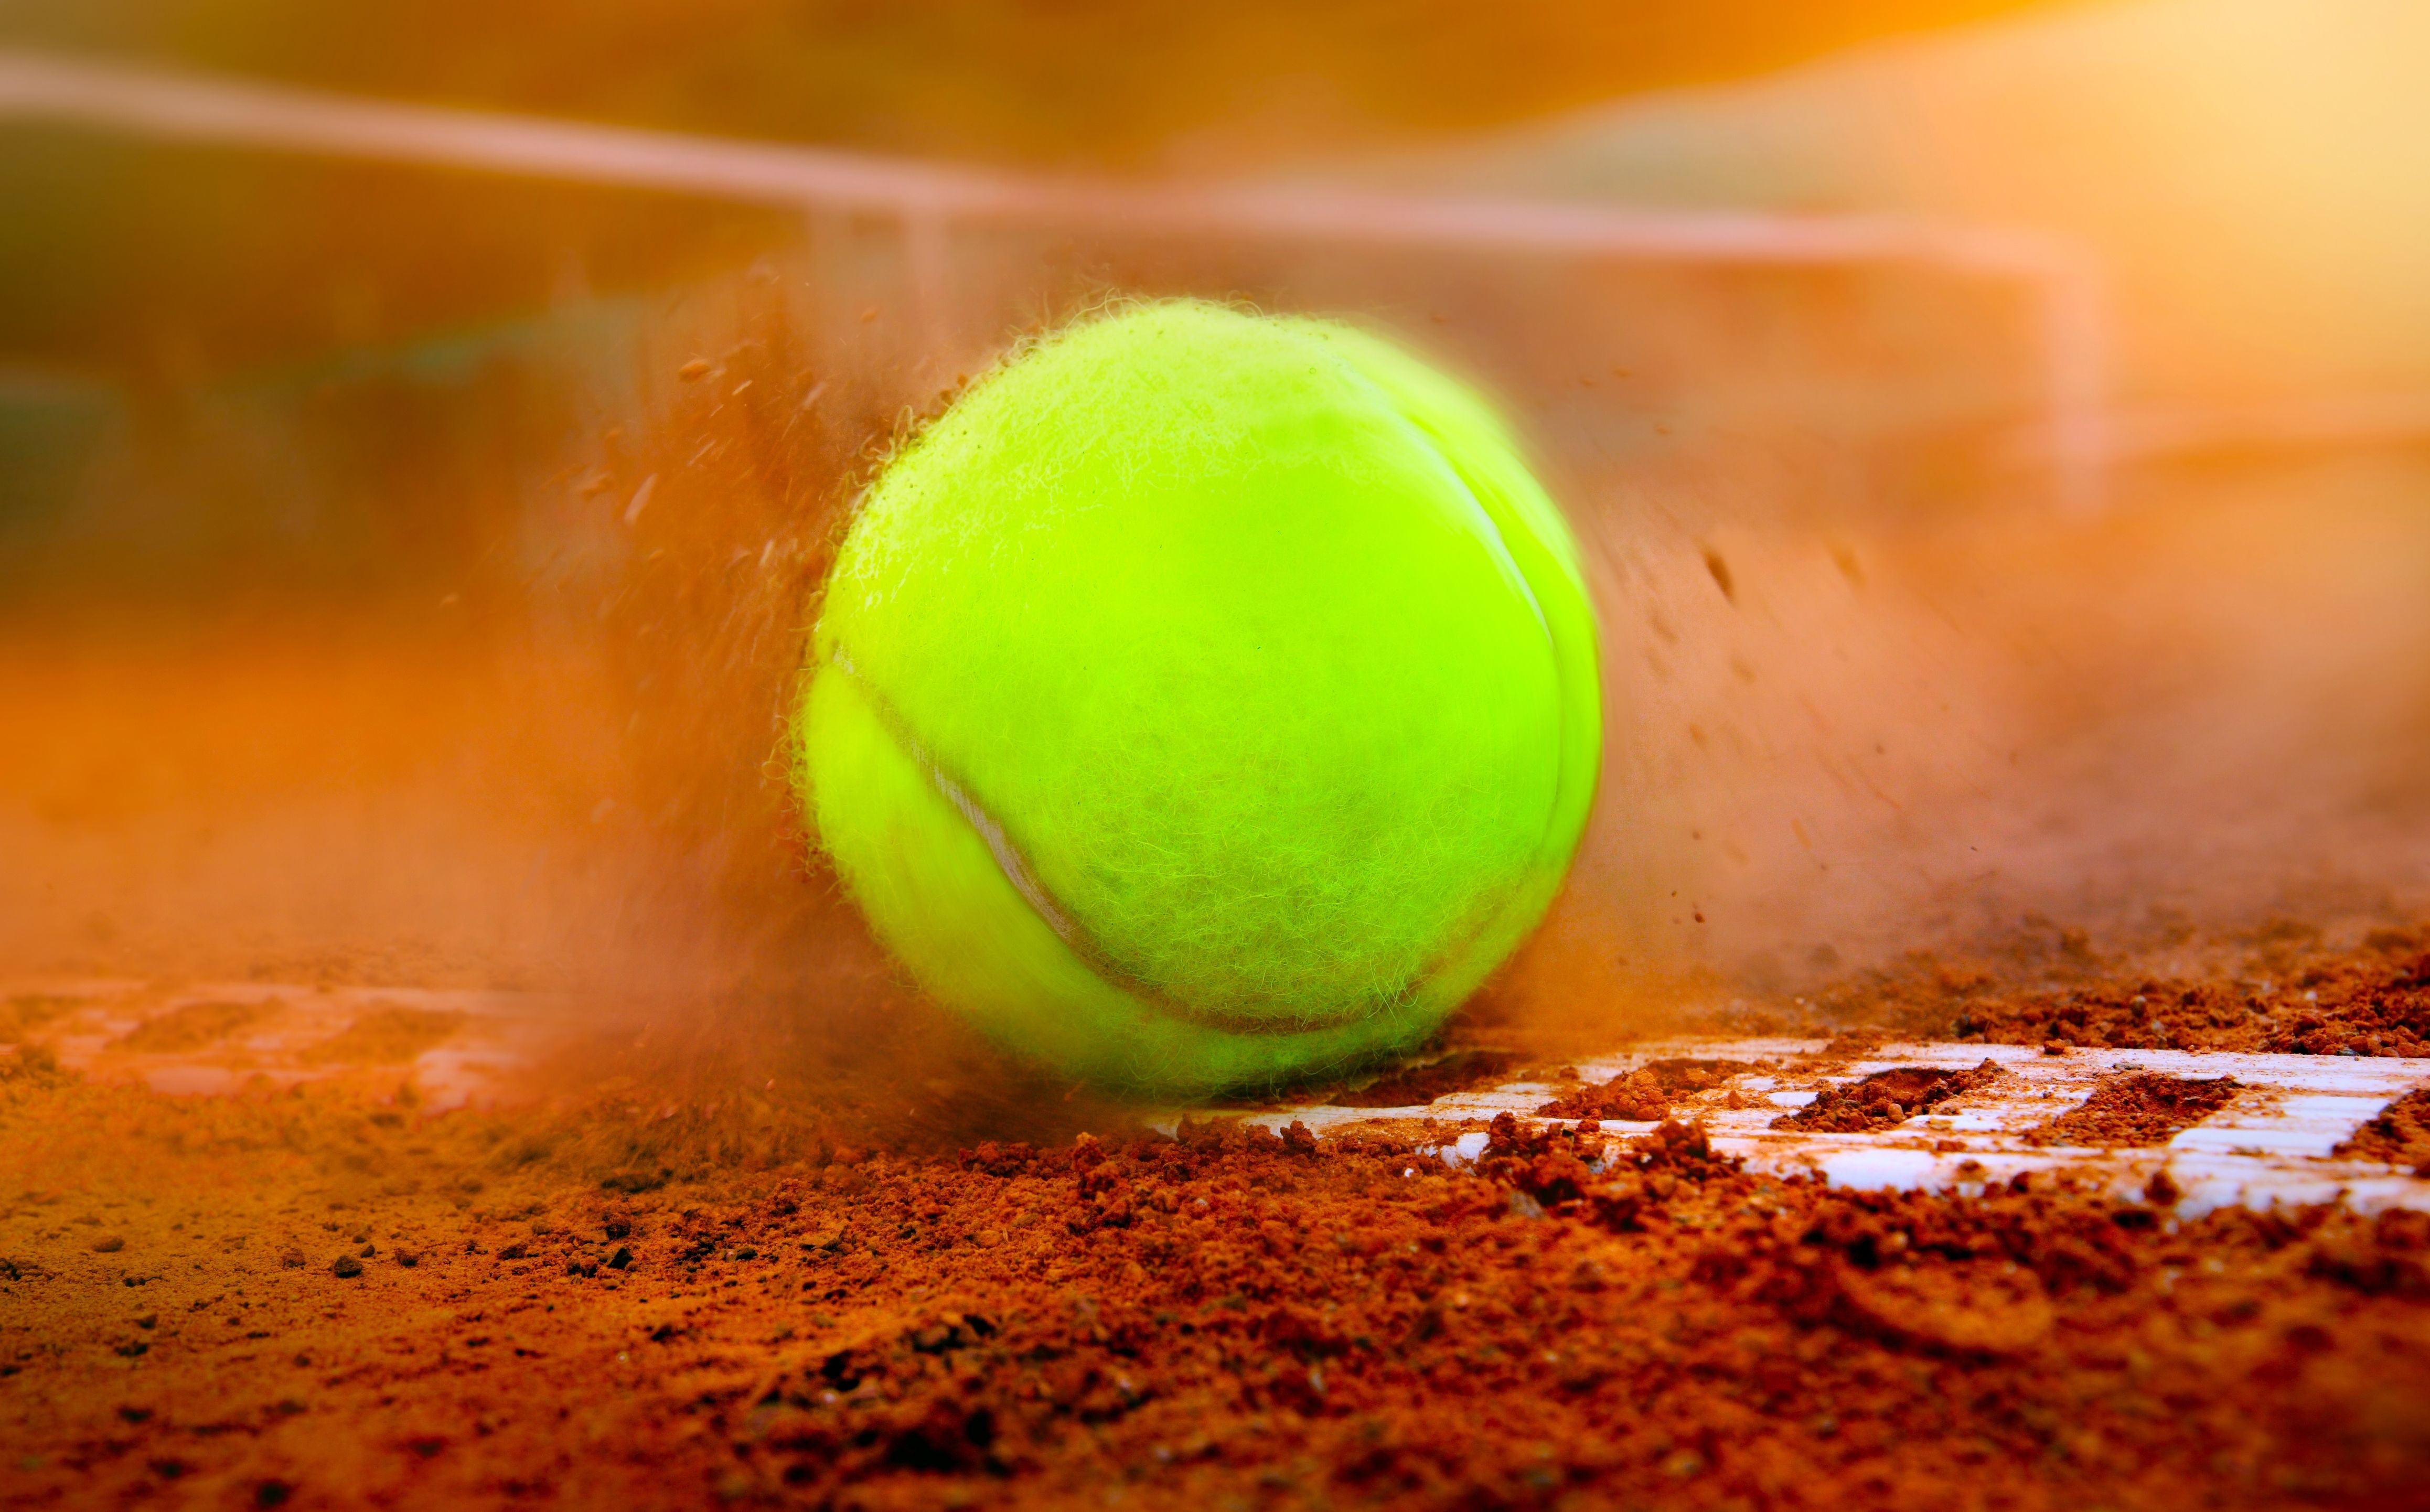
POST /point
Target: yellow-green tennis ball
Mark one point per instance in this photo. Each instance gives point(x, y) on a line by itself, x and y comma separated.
point(1206, 700)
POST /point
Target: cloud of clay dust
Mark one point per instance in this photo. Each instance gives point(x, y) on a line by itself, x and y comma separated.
point(1988, 731)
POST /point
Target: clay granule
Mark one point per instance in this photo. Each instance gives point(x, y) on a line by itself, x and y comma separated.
point(2400, 1135)
point(1884, 1099)
point(2135, 1109)
point(1646, 1094)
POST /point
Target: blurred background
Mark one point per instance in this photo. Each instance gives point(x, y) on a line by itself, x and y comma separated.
point(1999, 433)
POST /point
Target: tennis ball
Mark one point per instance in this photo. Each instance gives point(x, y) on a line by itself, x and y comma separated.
point(1206, 700)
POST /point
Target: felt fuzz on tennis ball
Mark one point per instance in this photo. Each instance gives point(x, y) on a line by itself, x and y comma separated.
point(1206, 700)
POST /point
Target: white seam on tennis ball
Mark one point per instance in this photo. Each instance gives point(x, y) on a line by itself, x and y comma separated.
point(1015, 870)
point(1499, 548)
point(1497, 545)
point(1008, 859)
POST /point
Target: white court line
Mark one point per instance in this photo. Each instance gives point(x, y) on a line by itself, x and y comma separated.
point(2271, 1144)
point(2063, 278)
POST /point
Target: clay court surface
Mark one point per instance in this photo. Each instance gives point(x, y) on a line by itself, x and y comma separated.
point(632, 1270)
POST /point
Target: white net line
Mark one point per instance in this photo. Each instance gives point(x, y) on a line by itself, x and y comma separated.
point(928, 199)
